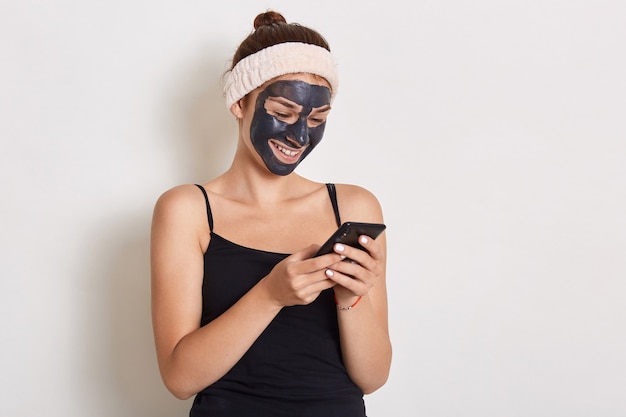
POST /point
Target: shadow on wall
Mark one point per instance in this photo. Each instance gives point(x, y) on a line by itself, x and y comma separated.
point(136, 379)
point(209, 134)
point(209, 129)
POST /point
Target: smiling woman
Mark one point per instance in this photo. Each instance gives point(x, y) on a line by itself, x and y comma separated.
point(245, 317)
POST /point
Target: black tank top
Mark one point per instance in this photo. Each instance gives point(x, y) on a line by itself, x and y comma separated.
point(294, 368)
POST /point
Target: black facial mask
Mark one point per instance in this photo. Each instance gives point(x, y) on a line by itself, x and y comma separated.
point(281, 131)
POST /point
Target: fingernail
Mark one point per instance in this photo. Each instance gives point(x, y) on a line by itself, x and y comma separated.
point(339, 247)
point(363, 240)
point(329, 273)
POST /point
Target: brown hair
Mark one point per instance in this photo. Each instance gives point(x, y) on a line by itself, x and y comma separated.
point(271, 28)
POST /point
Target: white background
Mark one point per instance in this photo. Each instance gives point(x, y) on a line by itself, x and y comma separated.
point(493, 133)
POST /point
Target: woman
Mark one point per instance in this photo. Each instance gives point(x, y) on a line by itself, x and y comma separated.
point(244, 316)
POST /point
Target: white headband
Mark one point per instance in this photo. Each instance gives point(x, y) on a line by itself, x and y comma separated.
point(283, 58)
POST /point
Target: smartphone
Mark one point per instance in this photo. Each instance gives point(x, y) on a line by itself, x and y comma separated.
point(348, 234)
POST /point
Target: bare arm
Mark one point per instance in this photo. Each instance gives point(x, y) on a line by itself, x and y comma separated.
point(192, 357)
point(364, 331)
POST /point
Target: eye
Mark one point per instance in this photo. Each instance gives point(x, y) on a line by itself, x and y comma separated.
point(281, 115)
point(316, 121)
point(282, 109)
point(318, 116)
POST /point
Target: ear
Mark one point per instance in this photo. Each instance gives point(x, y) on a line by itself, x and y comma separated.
point(237, 109)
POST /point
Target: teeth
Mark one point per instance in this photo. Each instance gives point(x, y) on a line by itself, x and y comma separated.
point(287, 151)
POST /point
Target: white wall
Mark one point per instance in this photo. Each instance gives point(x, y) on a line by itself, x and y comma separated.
point(492, 131)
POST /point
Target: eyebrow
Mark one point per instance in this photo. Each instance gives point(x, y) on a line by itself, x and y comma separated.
point(285, 102)
point(295, 106)
point(322, 109)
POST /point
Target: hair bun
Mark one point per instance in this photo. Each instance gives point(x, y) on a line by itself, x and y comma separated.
point(268, 18)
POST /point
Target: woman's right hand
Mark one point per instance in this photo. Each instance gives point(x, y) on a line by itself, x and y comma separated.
point(299, 279)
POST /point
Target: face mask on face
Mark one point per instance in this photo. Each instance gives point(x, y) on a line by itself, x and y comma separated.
point(288, 122)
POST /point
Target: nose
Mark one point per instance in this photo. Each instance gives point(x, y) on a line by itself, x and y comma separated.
point(299, 133)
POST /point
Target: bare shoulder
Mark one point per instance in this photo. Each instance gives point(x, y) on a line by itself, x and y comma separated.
point(181, 205)
point(358, 204)
point(180, 197)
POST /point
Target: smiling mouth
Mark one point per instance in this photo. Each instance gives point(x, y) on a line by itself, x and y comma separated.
point(285, 153)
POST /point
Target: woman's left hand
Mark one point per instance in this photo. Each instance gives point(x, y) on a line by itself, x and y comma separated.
point(357, 274)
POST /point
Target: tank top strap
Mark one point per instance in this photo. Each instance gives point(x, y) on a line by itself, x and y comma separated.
point(332, 192)
point(208, 206)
